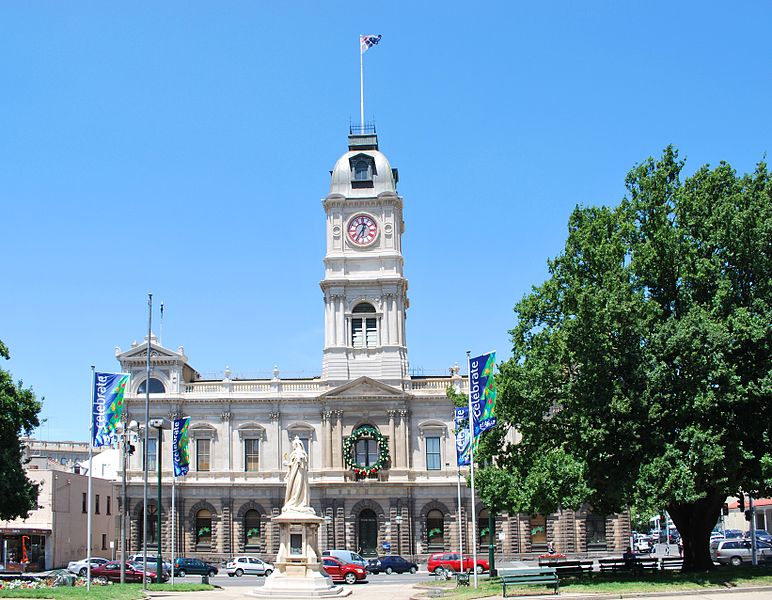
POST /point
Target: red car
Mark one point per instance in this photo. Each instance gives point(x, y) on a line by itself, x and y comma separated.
point(112, 572)
point(441, 560)
point(340, 571)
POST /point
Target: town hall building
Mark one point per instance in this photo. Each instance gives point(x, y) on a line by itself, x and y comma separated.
point(380, 440)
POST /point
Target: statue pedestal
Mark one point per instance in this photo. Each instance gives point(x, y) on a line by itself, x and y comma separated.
point(298, 564)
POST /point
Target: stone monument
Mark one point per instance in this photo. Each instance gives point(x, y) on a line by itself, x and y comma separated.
point(298, 564)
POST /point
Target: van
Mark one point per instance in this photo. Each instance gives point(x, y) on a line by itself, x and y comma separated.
point(346, 556)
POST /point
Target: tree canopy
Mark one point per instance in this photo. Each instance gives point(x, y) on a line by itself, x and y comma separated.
point(18, 415)
point(641, 369)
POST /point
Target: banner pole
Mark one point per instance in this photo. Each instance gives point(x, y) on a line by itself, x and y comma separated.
point(361, 88)
point(473, 541)
point(174, 485)
point(460, 520)
point(90, 460)
point(145, 449)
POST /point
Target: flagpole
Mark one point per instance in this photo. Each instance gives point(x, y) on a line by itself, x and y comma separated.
point(145, 450)
point(361, 88)
point(460, 520)
point(174, 485)
point(473, 542)
point(90, 459)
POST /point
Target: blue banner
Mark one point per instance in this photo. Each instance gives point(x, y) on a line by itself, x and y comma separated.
point(482, 392)
point(180, 454)
point(462, 436)
point(107, 406)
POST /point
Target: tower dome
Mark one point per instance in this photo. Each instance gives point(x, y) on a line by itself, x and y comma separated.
point(363, 171)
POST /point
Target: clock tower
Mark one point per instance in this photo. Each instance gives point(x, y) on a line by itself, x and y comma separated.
point(365, 291)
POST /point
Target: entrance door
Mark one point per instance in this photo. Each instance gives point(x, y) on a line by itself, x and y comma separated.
point(368, 533)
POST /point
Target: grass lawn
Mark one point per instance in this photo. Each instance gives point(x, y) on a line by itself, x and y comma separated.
point(667, 581)
point(127, 591)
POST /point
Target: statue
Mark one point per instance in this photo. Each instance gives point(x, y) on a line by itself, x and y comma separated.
point(297, 496)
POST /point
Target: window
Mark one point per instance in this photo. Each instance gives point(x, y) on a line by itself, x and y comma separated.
point(84, 506)
point(104, 541)
point(483, 531)
point(362, 170)
point(251, 447)
point(364, 330)
point(152, 445)
point(152, 524)
point(108, 508)
point(596, 532)
point(435, 530)
point(202, 455)
point(96, 505)
point(433, 459)
point(366, 452)
point(156, 387)
point(539, 532)
point(204, 526)
point(251, 529)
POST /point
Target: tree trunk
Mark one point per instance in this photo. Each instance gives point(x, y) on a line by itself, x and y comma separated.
point(695, 521)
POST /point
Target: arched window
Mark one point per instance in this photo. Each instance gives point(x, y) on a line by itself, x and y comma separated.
point(251, 529)
point(364, 329)
point(204, 528)
point(362, 170)
point(156, 387)
point(538, 533)
point(435, 530)
point(152, 525)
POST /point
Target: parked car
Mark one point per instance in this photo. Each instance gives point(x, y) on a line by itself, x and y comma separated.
point(440, 561)
point(152, 561)
point(80, 567)
point(732, 533)
point(737, 551)
point(346, 556)
point(194, 566)
point(343, 571)
point(643, 544)
point(761, 535)
point(247, 565)
point(391, 564)
point(112, 572)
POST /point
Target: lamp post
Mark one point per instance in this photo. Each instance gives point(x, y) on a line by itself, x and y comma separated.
point(124, 431)
point(398, 520)
point(159, 425)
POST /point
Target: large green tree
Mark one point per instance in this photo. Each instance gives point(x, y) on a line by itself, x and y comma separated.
point(18, 415)
point(641, 370)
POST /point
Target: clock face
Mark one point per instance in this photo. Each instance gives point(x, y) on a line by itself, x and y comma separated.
point(362, 230)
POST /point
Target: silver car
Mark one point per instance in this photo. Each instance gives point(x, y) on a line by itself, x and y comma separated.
point(737, 551)
point(80, 567)
point(248, 565)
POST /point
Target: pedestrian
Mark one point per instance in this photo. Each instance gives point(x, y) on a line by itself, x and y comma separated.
point(551, 548)
point(680, 546)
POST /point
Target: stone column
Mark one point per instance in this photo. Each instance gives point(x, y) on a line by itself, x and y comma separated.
point(275, 419)
point(392, 438)
point(405, 415)
point(326, 439)
point(225, 543)
point(337, 447)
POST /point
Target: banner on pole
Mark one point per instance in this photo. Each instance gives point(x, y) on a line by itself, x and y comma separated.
point(482, 391)
point(107, 408)
point(462, 436)
point(180, 454)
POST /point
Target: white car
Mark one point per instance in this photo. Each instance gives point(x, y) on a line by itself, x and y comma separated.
point(80, 567)
point(248, 565)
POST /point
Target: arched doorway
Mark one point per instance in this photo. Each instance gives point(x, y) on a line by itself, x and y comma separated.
point(368, 533)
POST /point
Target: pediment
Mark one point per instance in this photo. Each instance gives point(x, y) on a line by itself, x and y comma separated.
point(364, 387)
point(156, 351)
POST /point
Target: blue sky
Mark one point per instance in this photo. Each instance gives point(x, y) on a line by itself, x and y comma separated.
point(183, 148)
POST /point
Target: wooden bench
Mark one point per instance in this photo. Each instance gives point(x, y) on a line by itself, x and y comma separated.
point(568, 568)
point(629, 565)
point(671, 562)
point(535, 576)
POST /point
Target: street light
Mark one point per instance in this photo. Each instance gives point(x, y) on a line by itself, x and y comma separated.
point(124, 431)
point(159, 425)
point(398, 520)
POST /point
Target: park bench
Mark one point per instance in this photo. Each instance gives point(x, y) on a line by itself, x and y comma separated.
point(628, 565)
point(536, 576)
point(671, 562)
point(567, 568)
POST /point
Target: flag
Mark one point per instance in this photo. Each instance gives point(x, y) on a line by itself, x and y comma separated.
point(107, 406)
point(368, 41)
point(462, 436)
point(482, 391)
point(180, 454)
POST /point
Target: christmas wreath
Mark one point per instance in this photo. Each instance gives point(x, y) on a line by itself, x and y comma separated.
point(365, 431)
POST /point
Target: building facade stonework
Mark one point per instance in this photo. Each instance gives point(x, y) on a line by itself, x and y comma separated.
point(404, 497)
